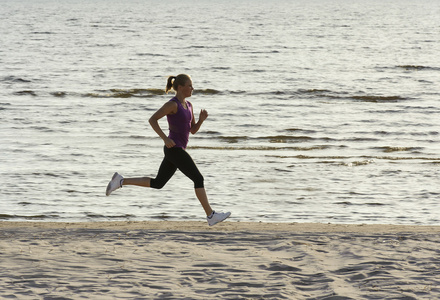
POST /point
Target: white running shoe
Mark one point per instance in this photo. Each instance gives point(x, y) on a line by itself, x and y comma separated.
point(217, 218)
point(114, 184)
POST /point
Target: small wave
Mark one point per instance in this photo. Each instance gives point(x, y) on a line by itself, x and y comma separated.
point(388, 149)
point(45, 174)
point(221, 68)
point(138, 91)
point(318, 93)
point(129, 93)
point(233, 139)
point(327, 94)
point(125, 93)
point(15, 79)
point(361, 139)
point(344, 203)
point(307, 131)
point(6, 216)
point(367, 160)
point(137, 137)
point(207, 92)
point(417, 68)
point(124, 216)
point(150, 54)
point(359, 163)
point(162, 216)
point(432, 159)
point(59, 94)
point(301, 93)
point(99, 216)
point(32, 217)
point(313, 91)
point(210, 132)
point(43, 32)
point(2, 105)
point(24, 93)
point(286, 138)
point(261, 148)
point(197, 47)
point(237, 92)
point(378, 99)
point(351, 203)
point(42, 128)
point(271, 139)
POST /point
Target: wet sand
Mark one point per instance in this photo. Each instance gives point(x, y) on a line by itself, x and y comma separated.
point(232, 260)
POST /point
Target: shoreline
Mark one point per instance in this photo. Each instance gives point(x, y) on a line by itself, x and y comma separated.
point(224, 226)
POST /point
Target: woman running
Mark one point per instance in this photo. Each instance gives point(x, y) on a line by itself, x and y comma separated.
point(181, 122)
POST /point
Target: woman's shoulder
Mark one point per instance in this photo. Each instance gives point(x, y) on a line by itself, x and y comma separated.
point(170, 106)
point(173, 100)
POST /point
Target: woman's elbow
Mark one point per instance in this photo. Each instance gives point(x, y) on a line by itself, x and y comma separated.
point(152, 120)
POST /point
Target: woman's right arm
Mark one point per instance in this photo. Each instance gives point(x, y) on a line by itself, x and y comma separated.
point(166, 109)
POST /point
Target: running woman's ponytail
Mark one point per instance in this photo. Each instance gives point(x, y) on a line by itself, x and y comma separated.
point(174, 81)
point(170, 81)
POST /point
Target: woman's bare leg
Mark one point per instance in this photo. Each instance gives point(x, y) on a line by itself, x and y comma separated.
point(203, 198)
point(139, 181)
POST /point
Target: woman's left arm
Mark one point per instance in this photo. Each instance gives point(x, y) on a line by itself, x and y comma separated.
point(202, 117)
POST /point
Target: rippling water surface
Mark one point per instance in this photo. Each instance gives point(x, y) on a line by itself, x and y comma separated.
point(319, 111)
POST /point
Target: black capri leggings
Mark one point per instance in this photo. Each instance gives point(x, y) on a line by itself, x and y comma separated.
point(177, 158)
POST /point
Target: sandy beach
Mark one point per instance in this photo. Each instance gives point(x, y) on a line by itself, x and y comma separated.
point(233, 260)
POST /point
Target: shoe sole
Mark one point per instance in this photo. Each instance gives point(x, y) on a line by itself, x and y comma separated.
point(107, 191)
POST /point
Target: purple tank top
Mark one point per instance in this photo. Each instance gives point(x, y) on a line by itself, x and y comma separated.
point(180, 124)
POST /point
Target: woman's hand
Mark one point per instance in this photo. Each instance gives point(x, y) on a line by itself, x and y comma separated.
point(203, 115)
point(196, 126)
point(169, 143)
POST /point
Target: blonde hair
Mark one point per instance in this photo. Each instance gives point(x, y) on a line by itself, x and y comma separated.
point(174, 81)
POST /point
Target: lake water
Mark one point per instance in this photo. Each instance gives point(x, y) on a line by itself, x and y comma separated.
point(319, 111)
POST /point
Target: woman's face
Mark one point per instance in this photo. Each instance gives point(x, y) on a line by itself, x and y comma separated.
point(187, 89)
